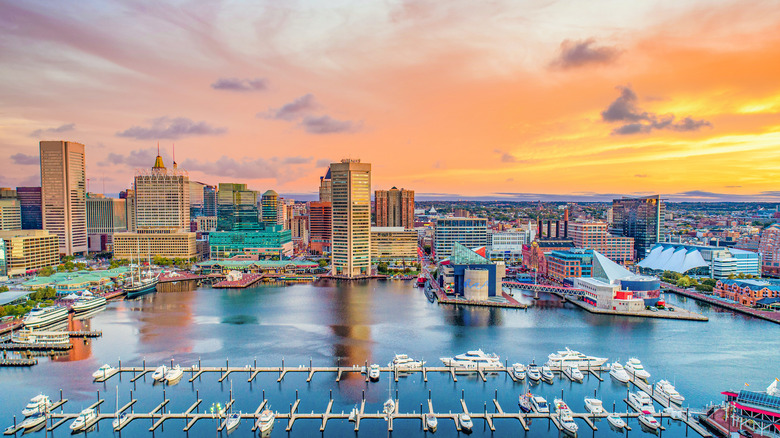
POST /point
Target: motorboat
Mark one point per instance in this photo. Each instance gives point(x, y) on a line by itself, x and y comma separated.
point(41, 337)
point(475, 359)
point(373, 372)
point(518, 370)
point(540, 404)
point(39, 403)
point(565, 417)
point(33, 420)
point(389, 407)
point(465, 422)
point(265, 423)
point(103, 371)
point(353, 414)
point(159, 373)
point(232, 422)
point(431, 422)
point(87, 302)
point(547, 374)
point(403, 362)
point(526, 402)
point(120, 420)
point(674, 413)
point(641, 401)
point(570, 358)
point(174, 375)
point(533, 372)
point(647, 419)
point(619, 373)
point(668, 390)
point(83, 419)
point(634, 368)
point(576, 374)
point(615, 421)
point(594, 406)
point(43, 316)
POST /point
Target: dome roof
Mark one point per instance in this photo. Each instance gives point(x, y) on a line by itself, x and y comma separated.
point(270, 193)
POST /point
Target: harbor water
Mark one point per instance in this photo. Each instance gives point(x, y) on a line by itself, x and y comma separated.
point(340, 323)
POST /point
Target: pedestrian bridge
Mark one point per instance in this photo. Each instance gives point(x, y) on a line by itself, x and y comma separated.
point(558, 290)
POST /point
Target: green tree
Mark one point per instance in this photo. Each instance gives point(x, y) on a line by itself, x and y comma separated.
point(684, 281)
point(323, 263)
point(46, 271)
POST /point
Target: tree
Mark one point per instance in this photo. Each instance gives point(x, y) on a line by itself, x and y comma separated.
point(684, 281)
point(323, 263)
point(46, 271)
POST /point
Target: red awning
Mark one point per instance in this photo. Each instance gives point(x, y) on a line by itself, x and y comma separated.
point(758, 411)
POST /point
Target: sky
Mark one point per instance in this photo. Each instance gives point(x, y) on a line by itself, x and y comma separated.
point(506, 99)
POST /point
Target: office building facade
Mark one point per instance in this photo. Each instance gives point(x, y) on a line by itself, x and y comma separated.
point(326, 187)
point(209, 201)
point(172, 244)
point(270, 207)
point(593, 235)
point(64, 194)
point(10, 210)
point(271, 241)
point(393, 245)
point(320, 227)
point(639, 218)
point(236, 208)
point(29, 250)
point(162, 198)
point(469, 232)
point(351, 220)
point(394, 208)
point(30, 204)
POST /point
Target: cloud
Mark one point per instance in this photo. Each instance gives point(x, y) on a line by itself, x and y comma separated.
point(296, 160)
point(327, 125)
point(323, 162)
point(170, 128)
point(294, 110)
point(58, 130)
point(579, 53)
point(25, 160)
point(235, 84)
point(134, 158)
point(640, 175)
point(506, 157)
point(625, 109)
point(247, 168)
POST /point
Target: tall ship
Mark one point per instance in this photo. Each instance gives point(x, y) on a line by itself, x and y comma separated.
point(141, 283)
point(574, 359)
point(44, 316)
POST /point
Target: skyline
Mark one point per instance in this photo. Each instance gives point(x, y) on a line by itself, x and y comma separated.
point(456, 101)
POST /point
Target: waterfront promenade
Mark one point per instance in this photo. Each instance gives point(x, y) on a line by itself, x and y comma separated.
point(763, 314)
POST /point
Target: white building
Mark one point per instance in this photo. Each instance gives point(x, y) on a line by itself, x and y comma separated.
point(64, 194)
point(162, 198)
point(507, 245)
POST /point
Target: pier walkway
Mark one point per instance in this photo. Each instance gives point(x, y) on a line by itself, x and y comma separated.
point(736, 307)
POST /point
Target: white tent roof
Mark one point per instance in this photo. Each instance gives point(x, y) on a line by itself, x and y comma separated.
point(680, 259)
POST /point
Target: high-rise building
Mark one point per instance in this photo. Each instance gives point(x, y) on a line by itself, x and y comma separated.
point(10, 210)
point(27, 250)
point(209, 201)
point(351, 241)
point(469, 232)
point(769, 248)
point(270, 241)
point(393, 245)
point(30, 203)
point(394, 208)
point(162, 198)
point(640, 218)
point(270, 206)
point(320, 227)
point(105, 217)
point(129, 197)
point(593, 235)
point(326, 187)
point(236, 208)
point(64, 194)
point(196, 199)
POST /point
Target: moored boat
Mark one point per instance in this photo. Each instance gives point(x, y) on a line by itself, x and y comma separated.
point(475, 359)
point(547, 374)
point(564, 417)
point(576, 374)
point(465, 422)
point(594, 406)
point(615, 421)
point(174, 375)
point(33, 421)
point(265, 423)
point(533, 372)
point(120, 421)
point(31, 336)
point(159, 373)
point(232, 422)
point(570, 358)
point(519, 371)
point(635, 368)
point(44, 316)
point(540, 404)
point(431, 422)
point(668, 390)
point(103, 371)
point(619, 373)
point(84, 418)
point(373, 372)
point(641, 401)
point(39, 403)
point(403, 362)
point(526, 402)
point(87, 302)
point(647, 419)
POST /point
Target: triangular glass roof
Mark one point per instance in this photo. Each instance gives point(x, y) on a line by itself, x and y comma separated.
point(464, 256)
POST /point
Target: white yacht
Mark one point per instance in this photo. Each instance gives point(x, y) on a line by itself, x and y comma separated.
point(576, 374)
point(547, 374)
point(403, 362)
point(619, 373)
point(475, 359)
point(615, 421)
point(373, 372)
point(647, 419)
point(634, 368)
point(174, 375)
point(540, 404)
point(39, 403)
point(265, 423)
point(232, 422)
point(533, 372)
point(570, 358)
point(87, 302)
point(389, 407)
point(668, 390)
point(674, 413)
point(518, 370)
point(565, 417)
point(465, 422)
point(40, 337)
point(431, 422)
point(594, 406)
point(120, 420)
point(353, 414)
point(84, 418)
point(33, 421)
point(641, 401)
point(526, 402)
point(103, 371)
point(43, 316)
point(159, 373)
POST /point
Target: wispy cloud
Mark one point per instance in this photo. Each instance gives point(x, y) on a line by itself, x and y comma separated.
point(58, 130)
point(625, 109)
point(328, 125)
point(134, 158)
point(323, 162)
point(250, 168)
point(583, 52)
point(294, 110)
point(236, 84)
point(171, 128)
point(25, 160)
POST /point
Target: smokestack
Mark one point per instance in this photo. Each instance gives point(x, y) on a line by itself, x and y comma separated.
point(566, 229)
point(558, 229)
point(566, 215)
point(549, 230)
point(539, 229)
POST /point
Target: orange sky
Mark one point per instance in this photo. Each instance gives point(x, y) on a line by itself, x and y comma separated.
point(454, 98)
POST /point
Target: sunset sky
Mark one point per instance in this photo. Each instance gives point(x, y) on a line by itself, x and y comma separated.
point(501, 99)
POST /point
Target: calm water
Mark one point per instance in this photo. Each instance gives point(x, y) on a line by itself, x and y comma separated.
point(351, 323)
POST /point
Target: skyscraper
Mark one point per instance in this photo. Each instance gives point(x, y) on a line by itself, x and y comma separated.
point(640, 218)
point(326, 187)
point(270, 205)
point(196, 199)
point(209, 201)
point(351, 194)
point(64, 195)
point(162, 198)
point(394, 208)
point(129, 197)
point(236, 208)
point(320, 227)
point(10, 210)
point(105, 217)
point(30, 203)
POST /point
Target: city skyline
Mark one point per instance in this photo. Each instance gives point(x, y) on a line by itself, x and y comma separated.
point(528, 101)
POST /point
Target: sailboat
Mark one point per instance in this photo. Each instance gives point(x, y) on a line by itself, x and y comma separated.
point(141, 284)
point(389, 406)
point(120, 419)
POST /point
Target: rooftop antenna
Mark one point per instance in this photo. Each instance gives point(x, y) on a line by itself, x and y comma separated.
point(158, 148)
